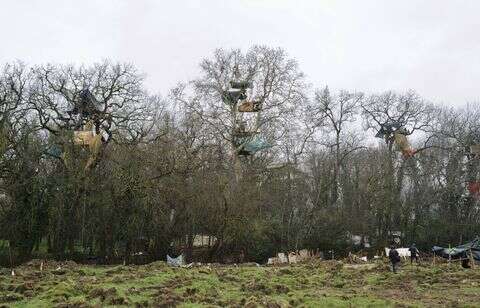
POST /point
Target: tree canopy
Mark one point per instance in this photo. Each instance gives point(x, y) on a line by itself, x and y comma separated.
point(165, 170)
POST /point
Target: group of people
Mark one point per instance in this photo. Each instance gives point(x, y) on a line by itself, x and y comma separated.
point(394, 256)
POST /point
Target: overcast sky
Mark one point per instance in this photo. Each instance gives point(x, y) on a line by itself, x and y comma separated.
point(431, 46)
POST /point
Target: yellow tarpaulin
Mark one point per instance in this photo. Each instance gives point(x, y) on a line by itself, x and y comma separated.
point(94, 147)
point(403, 145)
point(88, 138)
point(402, 142)
point(83, 137)
point(249, 106)
point(475, 149)
point(95, 144)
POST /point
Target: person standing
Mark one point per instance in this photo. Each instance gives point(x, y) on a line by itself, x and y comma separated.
point(414, 253)
point(394, 258)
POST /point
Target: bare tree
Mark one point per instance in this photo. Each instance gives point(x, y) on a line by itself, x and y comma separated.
point(277, 88)
point(338, 115)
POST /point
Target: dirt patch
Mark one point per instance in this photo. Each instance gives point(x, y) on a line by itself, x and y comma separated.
point(366, 266)
point(102, 293)
point(257, 286)
point(167, 299)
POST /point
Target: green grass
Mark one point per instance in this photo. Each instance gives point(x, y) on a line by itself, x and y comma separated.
point(316, 284)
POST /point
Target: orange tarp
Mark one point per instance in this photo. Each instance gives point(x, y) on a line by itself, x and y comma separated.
point(474, 189)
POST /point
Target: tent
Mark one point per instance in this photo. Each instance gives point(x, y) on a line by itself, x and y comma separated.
point(460, 252)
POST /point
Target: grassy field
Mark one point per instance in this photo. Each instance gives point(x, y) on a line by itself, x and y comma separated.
point(315, 284)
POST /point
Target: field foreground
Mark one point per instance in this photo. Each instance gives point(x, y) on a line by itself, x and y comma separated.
point(324, 284)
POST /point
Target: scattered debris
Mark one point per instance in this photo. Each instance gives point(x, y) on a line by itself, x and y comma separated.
point(292, 257)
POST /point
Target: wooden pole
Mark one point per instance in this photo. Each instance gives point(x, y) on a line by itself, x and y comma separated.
point(472, 260)
point(11, 258)
point(449, 255)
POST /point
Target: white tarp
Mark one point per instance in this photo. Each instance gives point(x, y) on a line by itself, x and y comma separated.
point(402, 252)
point(178, 261)
point(304, 254)
point(282, 258)
point(292, 257)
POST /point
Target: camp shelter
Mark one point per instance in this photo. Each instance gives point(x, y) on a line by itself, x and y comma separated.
point(403, 145)
point(474, 189)
point(243, 134)
point(86, 104)
point(200, 240)
point(475, 149)
point(249, 106)
point(387, 129)
point(54, 150)
point(83, 137)
point(94, 147)
point(460, 252)
point(243, 84)
point(231, 96)
point(249, 146)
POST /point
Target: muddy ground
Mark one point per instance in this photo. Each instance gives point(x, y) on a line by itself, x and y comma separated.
point(313, 284)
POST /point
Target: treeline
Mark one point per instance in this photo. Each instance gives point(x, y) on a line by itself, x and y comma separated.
point(165, 169)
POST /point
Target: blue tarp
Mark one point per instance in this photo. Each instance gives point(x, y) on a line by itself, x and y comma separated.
point(461, 251)
point(250, 146)
point(55, 151)
point(255, 145)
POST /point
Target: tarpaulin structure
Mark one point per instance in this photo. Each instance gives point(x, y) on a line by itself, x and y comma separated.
point(474, 189)
point(387, 129)
point(393, 131)
point(240, 84)
point(249, 147)
point(83, 137)
point(87, 104)
point(475, 149)
point(403, 145)
point(55, 151)
point(178, 261)
point(231, 96)
point(460, 252)
point(249, 106)
point(87, 138)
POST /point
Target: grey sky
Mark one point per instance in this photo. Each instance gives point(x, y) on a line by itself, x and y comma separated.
point(432, 46)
